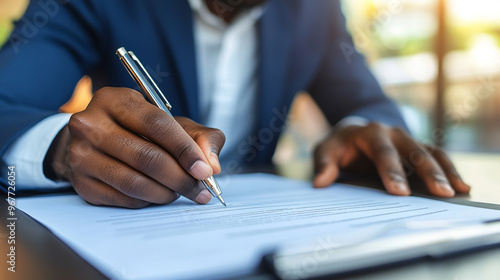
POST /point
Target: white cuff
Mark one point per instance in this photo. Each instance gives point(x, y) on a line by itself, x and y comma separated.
point(28, 152)
point(351, 120)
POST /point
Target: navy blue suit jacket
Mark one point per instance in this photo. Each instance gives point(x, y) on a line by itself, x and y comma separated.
point(303, 45)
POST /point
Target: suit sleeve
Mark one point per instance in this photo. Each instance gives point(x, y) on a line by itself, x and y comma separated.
point(344, 86)
point(52, 46)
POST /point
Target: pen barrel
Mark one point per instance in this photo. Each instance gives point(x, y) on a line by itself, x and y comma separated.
point(143, 80)
point(212, 186)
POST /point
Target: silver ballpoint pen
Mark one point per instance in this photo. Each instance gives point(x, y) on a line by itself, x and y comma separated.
point(154, 95)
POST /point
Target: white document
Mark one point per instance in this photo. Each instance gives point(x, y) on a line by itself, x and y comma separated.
point(184, 240)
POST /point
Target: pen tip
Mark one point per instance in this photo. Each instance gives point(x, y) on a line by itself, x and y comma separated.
point(222, 200)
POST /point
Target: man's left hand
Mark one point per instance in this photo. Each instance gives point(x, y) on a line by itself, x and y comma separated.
point(387, 148)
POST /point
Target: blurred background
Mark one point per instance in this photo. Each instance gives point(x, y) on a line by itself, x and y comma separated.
point(412, 45)
point(439, 59)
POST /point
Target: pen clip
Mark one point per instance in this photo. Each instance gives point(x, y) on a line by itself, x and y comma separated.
point(158, 91)
point(149, 88)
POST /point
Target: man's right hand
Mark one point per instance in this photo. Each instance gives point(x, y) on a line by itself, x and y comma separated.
point(123, 151)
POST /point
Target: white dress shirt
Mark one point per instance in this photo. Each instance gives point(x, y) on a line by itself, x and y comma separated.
point(227, 73)
point(29, 150)
point(228, 81)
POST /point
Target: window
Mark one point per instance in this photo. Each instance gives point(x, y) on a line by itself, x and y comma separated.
point(401, 40)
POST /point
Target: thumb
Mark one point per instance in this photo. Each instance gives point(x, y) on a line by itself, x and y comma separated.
point(210, 140)
point(325, 166)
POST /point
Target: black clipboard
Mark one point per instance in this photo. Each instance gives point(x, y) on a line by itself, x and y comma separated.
point(339, 261)
point(335, 262)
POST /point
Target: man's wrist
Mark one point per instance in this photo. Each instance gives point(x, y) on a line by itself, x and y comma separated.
point(55, 165)
point(350, 121)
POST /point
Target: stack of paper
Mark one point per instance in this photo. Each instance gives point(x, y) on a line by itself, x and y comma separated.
point(184, 240)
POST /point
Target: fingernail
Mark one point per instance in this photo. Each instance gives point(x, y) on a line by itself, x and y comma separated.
point(201, 170)
point(399, 183)
point(203, 197)
point(446, 188)
point(214, 160)
point(401, 187)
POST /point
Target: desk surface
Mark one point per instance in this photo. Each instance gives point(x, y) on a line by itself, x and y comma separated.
point(40, 255)
point(482, 172)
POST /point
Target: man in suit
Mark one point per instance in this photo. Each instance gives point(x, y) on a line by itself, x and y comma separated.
point(231, 64)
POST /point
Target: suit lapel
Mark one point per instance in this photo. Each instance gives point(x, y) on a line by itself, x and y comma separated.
point(174, 19)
